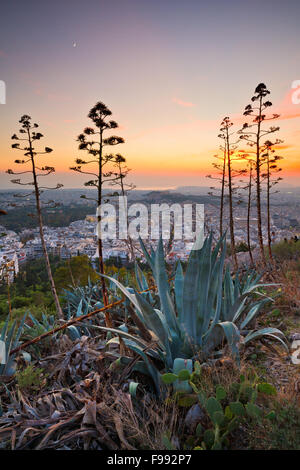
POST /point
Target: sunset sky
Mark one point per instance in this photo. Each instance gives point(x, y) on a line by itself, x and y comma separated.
point(169, 70)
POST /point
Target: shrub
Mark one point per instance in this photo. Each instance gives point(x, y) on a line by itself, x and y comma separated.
point(30, 379)
point(286, 250)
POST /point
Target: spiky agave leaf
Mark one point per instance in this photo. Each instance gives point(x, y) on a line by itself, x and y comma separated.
point(269, 333)
point(10, 337)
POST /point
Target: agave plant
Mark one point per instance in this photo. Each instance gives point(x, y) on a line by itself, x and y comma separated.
point(38, 327)
point(82, 300)
point(198, 310)
point(9, 340)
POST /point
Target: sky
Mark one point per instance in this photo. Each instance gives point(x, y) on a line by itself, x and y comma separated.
point(169, 70)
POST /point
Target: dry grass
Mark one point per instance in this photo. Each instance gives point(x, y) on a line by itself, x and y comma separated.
point(145, 421)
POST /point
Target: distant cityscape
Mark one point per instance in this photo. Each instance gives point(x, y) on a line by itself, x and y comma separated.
point(79, 237)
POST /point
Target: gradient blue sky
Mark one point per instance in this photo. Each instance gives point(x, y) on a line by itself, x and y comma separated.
point(169, 70)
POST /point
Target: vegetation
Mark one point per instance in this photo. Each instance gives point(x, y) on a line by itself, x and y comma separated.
point(253, 134)
point(9, 339)
point(192, 356)
point(17, 220)
point(216, 307)
point(31, 288)
point(287, 250)
point(75, 272)
point(225, 410)
point(28, 131)
point(30, 379)
point(259, 163)
point(108, 168)
point(210, 401)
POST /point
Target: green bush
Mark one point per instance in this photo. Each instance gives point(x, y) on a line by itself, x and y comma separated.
point(286, 250)
point(20, 301)
point(30, 379)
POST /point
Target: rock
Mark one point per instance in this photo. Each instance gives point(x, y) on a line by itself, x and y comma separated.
point(194, 416)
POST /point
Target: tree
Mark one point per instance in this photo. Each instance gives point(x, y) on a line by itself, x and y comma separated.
point(220, 166)
point(123, 170)
point(30, 137)
point(75, 272)
point(249, 188)
point(229, 149)
point(253, 133)
point(103, 172)
point(271, 180)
